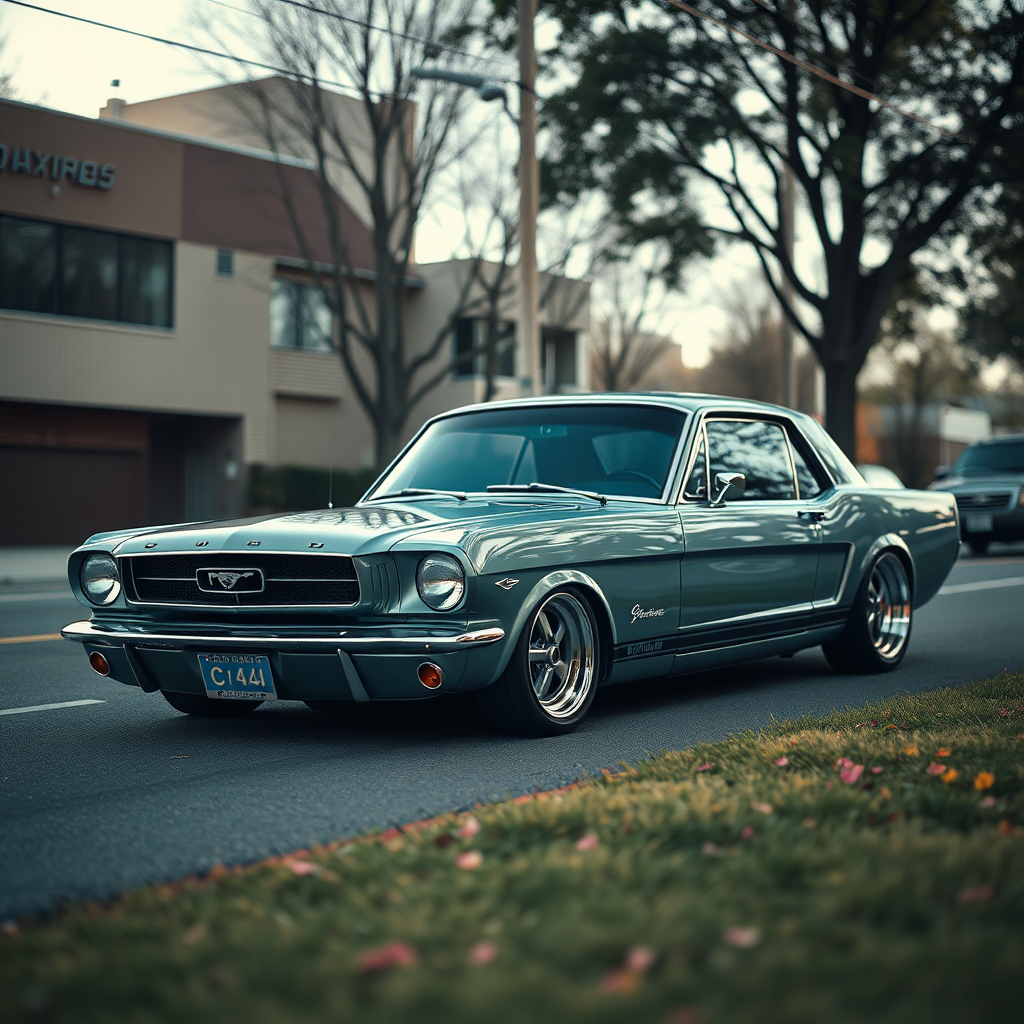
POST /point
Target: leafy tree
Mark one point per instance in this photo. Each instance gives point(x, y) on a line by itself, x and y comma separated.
point(689, 128)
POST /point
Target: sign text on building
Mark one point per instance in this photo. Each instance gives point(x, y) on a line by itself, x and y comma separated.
point(20, 160)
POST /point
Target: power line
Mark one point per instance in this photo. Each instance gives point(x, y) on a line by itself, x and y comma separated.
point(205, 51)
point(856, 90)
point(378, 28)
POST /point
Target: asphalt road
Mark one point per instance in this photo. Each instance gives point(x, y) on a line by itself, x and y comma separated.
point(99, 797)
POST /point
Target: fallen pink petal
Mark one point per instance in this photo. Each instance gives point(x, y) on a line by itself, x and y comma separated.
point(1003, 712)
point(935, 769)
point(747, 832)
point(742, 938)
point(469, 828)
point(876, 770)
point(762, 807)
point(706, 767)
point(303, 867)
point(988, 801)
point(641, 959)
point(781, 762)
point(383, 958)
point(483, 953)
point(588, 842)
point(469, 860)
point(976, 894)
point(851, 774)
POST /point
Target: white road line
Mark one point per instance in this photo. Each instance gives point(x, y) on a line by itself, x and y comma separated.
point(49, 707)
point(966, 588)
point(46, 595)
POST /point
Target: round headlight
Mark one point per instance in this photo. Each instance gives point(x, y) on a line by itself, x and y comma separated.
point(99, 579)
point(441, 582)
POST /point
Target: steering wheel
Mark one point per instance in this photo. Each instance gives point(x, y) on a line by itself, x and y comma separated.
point(638, 474)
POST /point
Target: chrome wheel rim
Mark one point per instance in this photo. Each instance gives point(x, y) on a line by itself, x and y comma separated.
point(888, 607)
point(562, 655)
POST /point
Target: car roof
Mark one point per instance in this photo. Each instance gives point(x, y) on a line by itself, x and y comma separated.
point(685, 401)
point(1000, 439)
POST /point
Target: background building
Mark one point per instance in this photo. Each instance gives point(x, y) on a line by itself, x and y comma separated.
point(160, 338)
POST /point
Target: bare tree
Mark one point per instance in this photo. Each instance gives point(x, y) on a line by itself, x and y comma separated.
point(910, 377)
point(7, 89)
point(626, 338)
point(383, 152)
point(746, 360)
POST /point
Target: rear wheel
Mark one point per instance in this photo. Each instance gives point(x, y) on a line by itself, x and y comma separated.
point(207, 707)
point(878, 629)
point(549, 683)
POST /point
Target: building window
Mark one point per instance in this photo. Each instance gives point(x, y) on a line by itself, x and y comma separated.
point(558, 357)
point(300, 317)
point(79, 272)
point(470, 334)
point(225, 262)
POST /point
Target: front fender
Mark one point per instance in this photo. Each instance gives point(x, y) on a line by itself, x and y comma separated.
point(544, 586)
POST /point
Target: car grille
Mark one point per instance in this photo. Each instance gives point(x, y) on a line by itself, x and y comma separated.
point(287, 579)
point(983, 502)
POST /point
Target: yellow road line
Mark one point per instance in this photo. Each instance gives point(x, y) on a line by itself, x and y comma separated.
point(29, 639)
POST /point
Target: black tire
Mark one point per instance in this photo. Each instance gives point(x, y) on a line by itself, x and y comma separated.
point(979, 547)
point(207, 707)
point(541, 693)
point(877, 632)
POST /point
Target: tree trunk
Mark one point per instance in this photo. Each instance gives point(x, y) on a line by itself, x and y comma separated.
point(841, 407)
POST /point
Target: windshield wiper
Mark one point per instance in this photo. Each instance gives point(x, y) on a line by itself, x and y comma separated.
point(536, 488)
point(413, 492)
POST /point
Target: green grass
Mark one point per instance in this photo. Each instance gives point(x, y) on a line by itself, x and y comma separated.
point(897, 898)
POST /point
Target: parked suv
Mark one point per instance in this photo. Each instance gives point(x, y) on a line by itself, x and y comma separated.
point(988, 483)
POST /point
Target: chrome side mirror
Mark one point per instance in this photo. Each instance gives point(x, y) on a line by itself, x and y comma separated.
point(723, 483)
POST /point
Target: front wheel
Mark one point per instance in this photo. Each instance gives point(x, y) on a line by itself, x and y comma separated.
point(207, 707)
point(549, 683)
point(878, 629)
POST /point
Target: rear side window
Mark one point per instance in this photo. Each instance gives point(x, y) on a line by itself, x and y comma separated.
point(757, 449)
point(810, 486)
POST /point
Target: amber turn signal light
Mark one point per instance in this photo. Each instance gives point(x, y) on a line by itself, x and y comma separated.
point(429, 675)
point(99, 663)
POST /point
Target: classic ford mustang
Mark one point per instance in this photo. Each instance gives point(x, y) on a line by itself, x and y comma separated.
point(532, 551)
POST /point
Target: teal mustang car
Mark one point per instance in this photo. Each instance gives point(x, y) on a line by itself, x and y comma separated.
point(530, 551)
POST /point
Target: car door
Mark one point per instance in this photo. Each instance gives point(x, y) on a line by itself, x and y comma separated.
point(749, 565)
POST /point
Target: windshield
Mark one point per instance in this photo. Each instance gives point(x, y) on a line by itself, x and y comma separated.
point(623, 450)
point(1003, 457)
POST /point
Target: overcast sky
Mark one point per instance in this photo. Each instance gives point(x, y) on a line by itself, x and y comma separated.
point(70, 66)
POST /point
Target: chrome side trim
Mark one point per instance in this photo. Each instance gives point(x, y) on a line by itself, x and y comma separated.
point(792, 609)
point(86, 632)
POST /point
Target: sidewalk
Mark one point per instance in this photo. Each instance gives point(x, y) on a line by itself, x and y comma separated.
point(34, 565)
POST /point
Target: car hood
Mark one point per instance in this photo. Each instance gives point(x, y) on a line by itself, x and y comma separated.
point(981, 482)
point(363, 529)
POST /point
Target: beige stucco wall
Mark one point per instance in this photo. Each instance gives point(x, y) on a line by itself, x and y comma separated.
point(215, 360)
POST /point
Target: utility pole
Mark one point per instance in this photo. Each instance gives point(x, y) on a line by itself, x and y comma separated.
point(790, 391)
point(529, 189)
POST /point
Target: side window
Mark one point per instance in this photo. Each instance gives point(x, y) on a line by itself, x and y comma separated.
point(810, 485)
point(757, 449)
point(697, 484)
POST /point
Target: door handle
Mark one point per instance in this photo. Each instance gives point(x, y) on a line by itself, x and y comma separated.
point(810, 516)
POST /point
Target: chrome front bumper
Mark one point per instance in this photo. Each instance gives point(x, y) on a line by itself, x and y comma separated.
point(438, 643)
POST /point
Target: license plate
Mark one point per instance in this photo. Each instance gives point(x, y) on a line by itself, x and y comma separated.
point(237, 676)
point(978, 524)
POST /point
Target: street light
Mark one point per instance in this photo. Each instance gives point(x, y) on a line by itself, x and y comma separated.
point(529, 289)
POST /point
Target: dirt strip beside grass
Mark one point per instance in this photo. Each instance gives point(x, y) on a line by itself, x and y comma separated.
point(868, 865)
